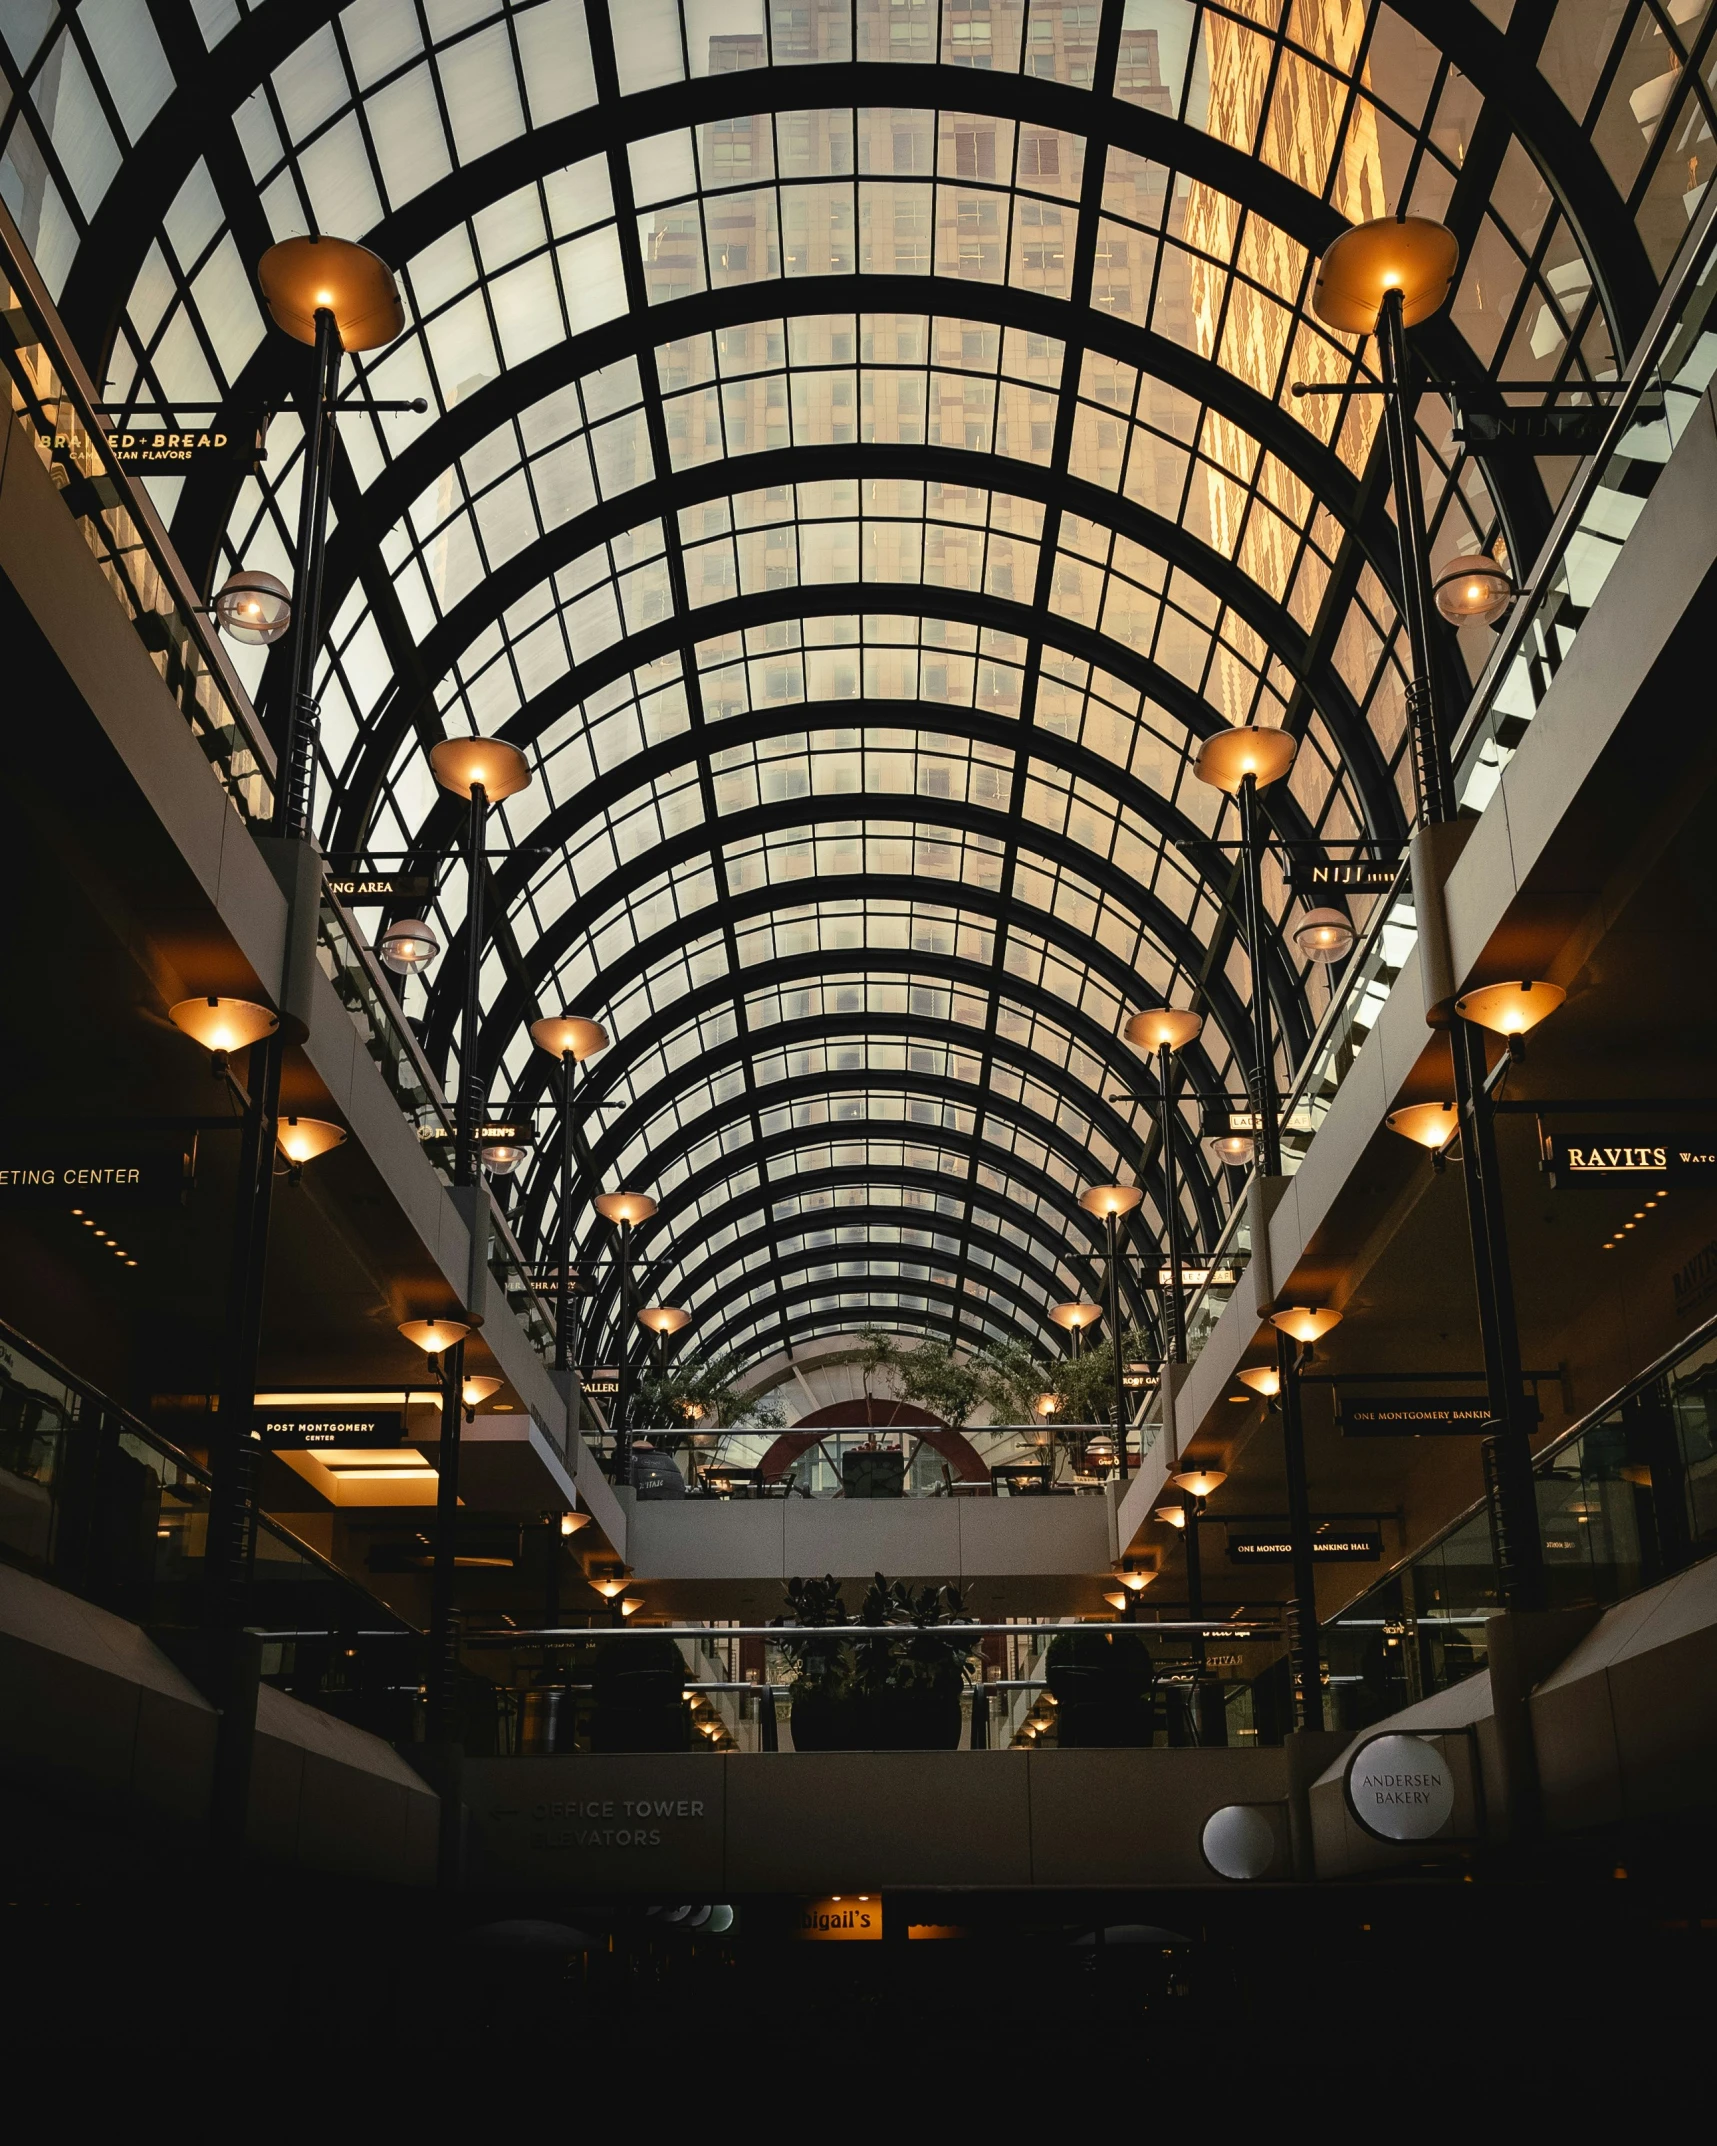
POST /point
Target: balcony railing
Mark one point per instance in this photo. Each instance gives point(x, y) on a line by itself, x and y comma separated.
point(52, 397)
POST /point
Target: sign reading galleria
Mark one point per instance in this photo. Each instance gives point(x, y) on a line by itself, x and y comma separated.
point(1401, 1788)
point(1609, 1158)
point(95, 1168)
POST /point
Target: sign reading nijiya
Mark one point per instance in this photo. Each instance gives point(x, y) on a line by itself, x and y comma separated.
point(1599, 1159)
point(1350, 875)
point(88, 1167)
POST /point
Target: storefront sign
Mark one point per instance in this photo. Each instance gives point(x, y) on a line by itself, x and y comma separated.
point(1538, 432)
point(602, 1385)
point(1695, 1282)
point(1196, 1277)
point(1140, 1378)
point(1611, 1158)
point(93, 1170)
point(429, 1134)
point(1437, 1416)
point(383, 887)
point(313, 1430)
point(1349, 875)
point(1401, 1788)
point(841, 1919)
point(1343, 1546)
point(160, 453)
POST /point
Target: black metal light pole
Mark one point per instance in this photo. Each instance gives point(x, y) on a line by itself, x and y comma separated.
point(624, 1209)
point(1305, 1650)
point(570, 1039)
point(1263, 1082)
point(1383, 278)
point(1171, 1209)
point(444, 1722)
point(1111, 1202)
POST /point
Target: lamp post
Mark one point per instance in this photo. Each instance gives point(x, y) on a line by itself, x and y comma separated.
point(570, 1039)
point(624, 1209)
point(443, 1342)
point(1380, 279)
point(1167, 1031)
point(1297, 1327)
point(1073, 1318)
point(1111, 1202)
point(1195, 1485)
point(662, 1320)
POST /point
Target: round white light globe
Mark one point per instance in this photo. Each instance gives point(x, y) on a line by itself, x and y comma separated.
point(1239, 1841)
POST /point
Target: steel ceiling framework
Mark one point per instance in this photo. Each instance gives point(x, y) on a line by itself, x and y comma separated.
point(861, 935)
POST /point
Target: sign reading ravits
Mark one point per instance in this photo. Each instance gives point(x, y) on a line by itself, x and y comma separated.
point(841, 1919)
point(93, 1170)
point(1401, 1788)
point(1608, 1160)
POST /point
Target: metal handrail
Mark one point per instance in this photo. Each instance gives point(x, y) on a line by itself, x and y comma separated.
point(1698, 1339)
point(79, 390)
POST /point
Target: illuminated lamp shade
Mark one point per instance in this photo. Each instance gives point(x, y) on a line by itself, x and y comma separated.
point(1117, 1600)
point(408, 946)
point(461, 764)
point(1104, 1200)
point(1163, 1028)
point(1225, 760)
point(1200, 1482)
point(664, 1318)
point(569, 1035)
point(502, 1157)
point(433, 1335)
point(223, 1024)
point(1428, 1125)
point(570, 1523)
point(1472, 592)
point(1409, 254)
point(1510, 1009)
point(1074, 1316)
point(1136, 1582)
point(1306, 1322)
point(624, 1206)
point(302, 277)
point(1262, 1378)
point(303, 1139)
point(475, 1390)
point(1100, 1451)
point(631, 1606)
point(1323, 936)
point(1173, 1516)
point(1047, 1404)
point(252, 607)
point(609, 1588)
point(1235, 1149)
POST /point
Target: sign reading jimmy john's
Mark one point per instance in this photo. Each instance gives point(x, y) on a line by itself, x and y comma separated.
point(85, 1169)
point(1625, 1158)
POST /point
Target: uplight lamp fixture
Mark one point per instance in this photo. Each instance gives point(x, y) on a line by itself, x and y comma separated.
point(1106, 1200)
point(1428, 1125)
point(1472, 592)
point(1163, 1028)
point(1117, 1600)
point(476, 1390)
point(1074, 1316)
point(1046, 1404)
point(1510, 1009)
point(1263, 1379)
point(631, 1606)
point(434, 1335)
point(1306, 1322)
point(1409, 254)
point(302, 277)
point(570, 1523)
point(608, 1589)
point(664, 1318)
point(1173, 1516)
point(624, 1206)
point(252, 608)
point(223, 1025)
point(1323, 936)
point(1200, 1482)
point(462, 764)
point(569, 1035)
point(301, 1140)
point(1226, 759)
point(1135, 1582)
point(408, 946)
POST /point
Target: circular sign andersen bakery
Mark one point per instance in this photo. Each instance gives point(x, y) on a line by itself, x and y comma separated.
point(1401, 1788)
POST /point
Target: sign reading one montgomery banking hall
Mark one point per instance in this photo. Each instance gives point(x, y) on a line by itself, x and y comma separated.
point(90, 1169)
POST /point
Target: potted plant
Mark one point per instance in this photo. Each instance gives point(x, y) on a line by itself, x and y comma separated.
point(638, 1688)
point(1101, 1678)
point(824, 1671)
point(896, 1691)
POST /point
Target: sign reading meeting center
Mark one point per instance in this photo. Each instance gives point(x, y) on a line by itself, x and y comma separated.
point(1401, 1788)
point(94, 1170)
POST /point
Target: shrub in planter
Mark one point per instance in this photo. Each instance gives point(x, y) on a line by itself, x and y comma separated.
point(1101, 1677)
point(898, 1691)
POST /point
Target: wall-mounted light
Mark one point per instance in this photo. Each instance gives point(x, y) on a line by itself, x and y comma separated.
point(473, 1391)
point(1306, 1322)
point(1136, 1582)
point(1428, 1125)
point(222, 1025)
point(570, 1523)
point(301, 1140)
point(252, 607)
point(408, 947)
point(1510, 1009)
point(1173, 1516)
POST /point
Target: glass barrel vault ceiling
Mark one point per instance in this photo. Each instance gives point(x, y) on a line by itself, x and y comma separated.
point(859, 468)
